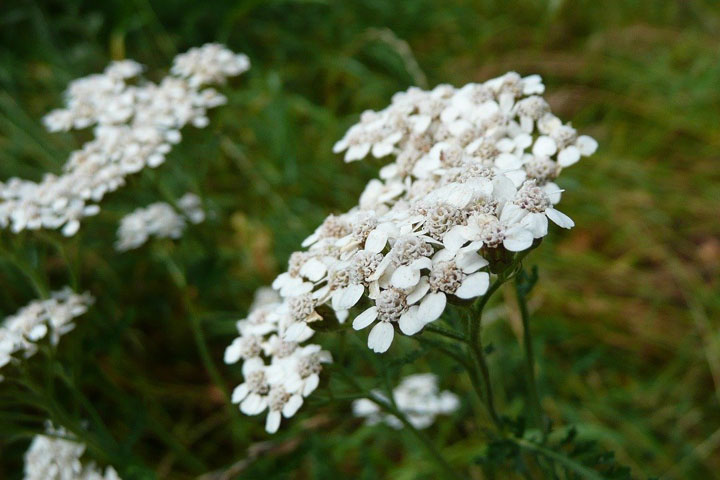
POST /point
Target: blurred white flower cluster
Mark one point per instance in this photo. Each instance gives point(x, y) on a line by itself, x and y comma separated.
point(472, 181)
point(135, 123)
point(278, 373)
point(417, 397)
point(55, 457)
point(35, 321)
point(159, 220)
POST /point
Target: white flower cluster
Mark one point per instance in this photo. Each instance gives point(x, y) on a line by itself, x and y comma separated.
point(55, 457)
point(135, 124)
point(54, 316)
point(158, 220)
point(472, 180)
point(278, 373)
point(472, 177)
point(417, 397)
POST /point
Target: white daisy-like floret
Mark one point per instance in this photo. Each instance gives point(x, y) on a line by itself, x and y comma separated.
point(453, 274)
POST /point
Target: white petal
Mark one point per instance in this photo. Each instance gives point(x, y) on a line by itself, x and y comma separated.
point(253, 404)
point(586, 145)
point(537, 223)
point(470, 261)
point(419, 291)
point(405, 277)
point(311, 383)
point(379, 150)
point(455, 238)
point(544, 146)
point(409, 322)
point(251, 365)
point(376, 241)
point(512, 214)
point(459, 196)
point(553, 191)
point(507, 161)
point(365, 318)
point(292, 406)
point(71, 228)
point(272, 423)
point(381, 336)
point(239, 393)
point(431, 307)
point(294, 331)
point(474, 285)
point(313, 270)
point(518, 239)
point(356, 152)
point(232, 352)
point(422, 122)
point(568, 156)
point(503, 188)
point(340, 145)
point(347, 297)
point(559, 218)
point(517, 177)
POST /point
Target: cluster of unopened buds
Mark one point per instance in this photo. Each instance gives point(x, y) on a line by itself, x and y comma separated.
point(57, 456)
point(471, 183)
point(135, 123)
point(417, 397)
point(50, 318)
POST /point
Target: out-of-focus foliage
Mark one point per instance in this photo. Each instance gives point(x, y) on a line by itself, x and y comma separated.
point(626, 310)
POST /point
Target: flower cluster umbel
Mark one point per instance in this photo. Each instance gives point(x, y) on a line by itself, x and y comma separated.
point(278, 373)
point(54, 316)
point(472, 181)
point(417, 397)
point(56, 456)
point(158, 220)
point(135, 123)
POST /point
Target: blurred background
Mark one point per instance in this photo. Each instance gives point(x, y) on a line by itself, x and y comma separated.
point(626, 310)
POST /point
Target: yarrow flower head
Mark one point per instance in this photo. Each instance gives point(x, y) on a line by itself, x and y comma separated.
point(470, 182)
point(278, 373)
point(56, 456)
point(159, 220)
point(50, 318)
point(417, 397)
point(473, 175)
point(135, 123)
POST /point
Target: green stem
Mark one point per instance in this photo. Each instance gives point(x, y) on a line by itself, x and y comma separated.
point(26, 269)
point(442, 465)
point(474, 343)
point(534, 397)
point(445, 332)
point(201, 342)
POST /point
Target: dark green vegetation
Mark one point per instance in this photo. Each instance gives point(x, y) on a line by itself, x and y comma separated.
point(625, 314)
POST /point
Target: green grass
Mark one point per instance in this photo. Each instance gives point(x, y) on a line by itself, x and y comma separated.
point(626, 311)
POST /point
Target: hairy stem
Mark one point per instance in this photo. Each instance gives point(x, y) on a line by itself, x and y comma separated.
point(477, 353)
